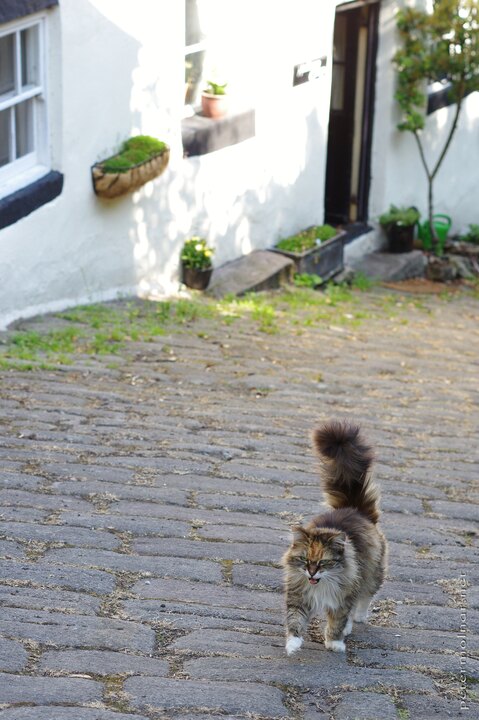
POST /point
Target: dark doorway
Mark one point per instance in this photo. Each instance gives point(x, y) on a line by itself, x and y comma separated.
point(351, 113)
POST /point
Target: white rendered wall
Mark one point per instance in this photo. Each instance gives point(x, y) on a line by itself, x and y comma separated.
point(397, 173)
point(117, 69)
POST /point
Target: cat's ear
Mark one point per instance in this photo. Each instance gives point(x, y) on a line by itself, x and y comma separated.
point(299, 533)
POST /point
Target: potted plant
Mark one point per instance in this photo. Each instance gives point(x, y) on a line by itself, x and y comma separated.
point(214, 100)
point(399, 224)
point(318, 250)
point(141, 158)
point(196, 265)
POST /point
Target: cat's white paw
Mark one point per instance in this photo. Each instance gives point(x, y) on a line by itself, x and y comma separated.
point(293, 644)
point(336, 645)
point(348, 628)
point(361, 616)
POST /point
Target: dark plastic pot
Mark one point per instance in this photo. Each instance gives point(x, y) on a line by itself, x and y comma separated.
point(196, 279)
point(401, 238)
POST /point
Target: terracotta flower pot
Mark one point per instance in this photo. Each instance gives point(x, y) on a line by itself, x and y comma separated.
point(214, 106)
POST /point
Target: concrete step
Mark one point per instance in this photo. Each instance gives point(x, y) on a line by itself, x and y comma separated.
point(390, 266)
point(260, 270)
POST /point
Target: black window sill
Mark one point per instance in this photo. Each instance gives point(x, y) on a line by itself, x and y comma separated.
point(441, 99)
point(202, 135)
point(13, 9)
point(21, 203)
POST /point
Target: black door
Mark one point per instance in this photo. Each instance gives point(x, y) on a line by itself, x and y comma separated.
point(351, 113)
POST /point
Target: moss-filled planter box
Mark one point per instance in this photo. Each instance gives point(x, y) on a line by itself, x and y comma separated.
point(141, 159)
point(319, 250)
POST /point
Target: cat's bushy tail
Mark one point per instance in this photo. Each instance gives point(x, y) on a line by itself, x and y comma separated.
point(346, 461)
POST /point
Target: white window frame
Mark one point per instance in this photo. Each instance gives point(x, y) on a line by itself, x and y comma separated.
point(22, 171)
point(201, 46)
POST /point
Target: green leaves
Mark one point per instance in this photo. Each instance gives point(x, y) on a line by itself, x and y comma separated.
point(307, 239)
point(442, 46)
point(196, 254)
point(134, 151)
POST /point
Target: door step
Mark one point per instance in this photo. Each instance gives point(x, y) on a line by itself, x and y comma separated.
point(259, 270)
point(391, 266)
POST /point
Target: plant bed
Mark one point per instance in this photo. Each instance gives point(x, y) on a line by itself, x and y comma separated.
point(141, 159)
point(319, 250)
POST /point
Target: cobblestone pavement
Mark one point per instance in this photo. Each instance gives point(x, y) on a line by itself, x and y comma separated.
point(146, 501)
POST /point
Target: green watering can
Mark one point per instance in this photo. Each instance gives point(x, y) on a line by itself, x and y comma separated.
point(442, 225)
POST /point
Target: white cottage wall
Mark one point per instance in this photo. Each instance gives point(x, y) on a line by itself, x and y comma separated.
point(116, 69)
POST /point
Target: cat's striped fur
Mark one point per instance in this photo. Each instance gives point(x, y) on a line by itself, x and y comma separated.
point(336, 562)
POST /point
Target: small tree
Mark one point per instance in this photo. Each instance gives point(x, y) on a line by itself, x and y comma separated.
point(442, 45)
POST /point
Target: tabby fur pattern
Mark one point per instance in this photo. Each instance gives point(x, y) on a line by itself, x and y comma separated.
point(336, 562)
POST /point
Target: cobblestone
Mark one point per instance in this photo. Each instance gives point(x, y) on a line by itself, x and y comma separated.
point(47, 690)
point(365, 706)
point(232, 697)
point(146, 501)
point(101, 662)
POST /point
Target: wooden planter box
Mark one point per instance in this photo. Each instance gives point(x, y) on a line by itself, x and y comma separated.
point(324, 260)
point(113, 184)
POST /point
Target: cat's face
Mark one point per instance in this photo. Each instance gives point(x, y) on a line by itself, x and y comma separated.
point(316, 553)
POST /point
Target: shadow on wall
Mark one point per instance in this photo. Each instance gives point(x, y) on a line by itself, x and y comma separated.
point(455, 189)
point(455, 185)
point(189, 199)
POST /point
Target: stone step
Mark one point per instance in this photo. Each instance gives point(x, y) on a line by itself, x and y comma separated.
point(259, 270)
point(391, 266)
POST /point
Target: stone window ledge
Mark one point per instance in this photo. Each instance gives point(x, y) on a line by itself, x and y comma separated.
point(21, 203)
point(202, 135)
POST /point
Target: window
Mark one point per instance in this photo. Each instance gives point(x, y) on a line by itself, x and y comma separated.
point(22, 104)
point(195, 51)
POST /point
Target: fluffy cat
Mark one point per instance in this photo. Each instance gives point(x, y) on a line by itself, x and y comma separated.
point(336, 562)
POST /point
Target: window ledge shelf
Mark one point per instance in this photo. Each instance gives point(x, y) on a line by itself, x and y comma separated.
point(21, 203)
point(202, 135)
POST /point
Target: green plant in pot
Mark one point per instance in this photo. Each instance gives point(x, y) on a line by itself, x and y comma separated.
point(214, 100)
point(399, 224)
point(196, 263)
point(140, 159)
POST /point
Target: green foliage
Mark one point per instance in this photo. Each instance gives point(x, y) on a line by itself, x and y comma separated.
point(362, 282)
point(134, 151)
point(307, 239)
point(215, 88)
point(472, 236)
point(442, 46)
point(438, 46)
point(307, 280)
point(196, 254)
point(399, 216)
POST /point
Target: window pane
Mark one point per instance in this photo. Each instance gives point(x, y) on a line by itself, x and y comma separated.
point(337, 89)
point(7, 77)
point(340, 27)
point(30, 56)
point(4, 137)
point(193, 33)
point(193, 77)
point(24, 127)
